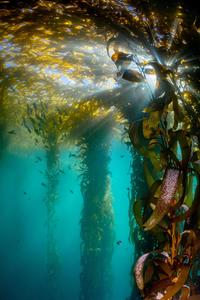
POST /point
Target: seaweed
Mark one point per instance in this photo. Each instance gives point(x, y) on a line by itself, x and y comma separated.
point(165, 133)
point(97, 221)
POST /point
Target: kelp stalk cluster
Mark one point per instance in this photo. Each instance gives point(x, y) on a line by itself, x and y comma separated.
point(97, 227)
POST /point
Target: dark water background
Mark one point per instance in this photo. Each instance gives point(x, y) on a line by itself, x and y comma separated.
point(23, 226)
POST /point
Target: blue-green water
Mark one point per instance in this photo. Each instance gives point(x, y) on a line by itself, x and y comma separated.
point(23, 226)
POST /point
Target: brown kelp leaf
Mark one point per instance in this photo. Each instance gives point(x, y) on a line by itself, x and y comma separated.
point(166, 268)
point(180, 281)
point(189, 242)
point(148, 273)
point(160, 285)
point(168, 190)
point(185, 293)
point(139, 267)
point(149, 174)
point(150, 124)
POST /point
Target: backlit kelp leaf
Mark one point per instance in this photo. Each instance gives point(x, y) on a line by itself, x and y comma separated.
point(180, 280)
point(139, 269)
point(190, 189)
point(185, 145)
point(167, 193)
point(132, 76)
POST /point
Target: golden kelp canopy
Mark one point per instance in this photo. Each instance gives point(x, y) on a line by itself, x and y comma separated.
point(53, 59)
point(53, 44)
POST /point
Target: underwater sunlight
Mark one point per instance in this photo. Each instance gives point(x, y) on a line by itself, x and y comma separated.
point(99, 150)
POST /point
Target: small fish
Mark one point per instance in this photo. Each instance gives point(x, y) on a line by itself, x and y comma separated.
point(119, 242)
point(43, 184)
point(122, 156)
point(25, 193)
point(12, 131)
point(71, 191)
point(128, 189)
point(61, 171)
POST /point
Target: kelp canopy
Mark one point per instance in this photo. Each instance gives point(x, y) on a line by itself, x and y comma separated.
point(43, 39)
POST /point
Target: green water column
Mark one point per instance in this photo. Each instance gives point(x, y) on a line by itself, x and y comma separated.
point(97, 228)
point(52, 174)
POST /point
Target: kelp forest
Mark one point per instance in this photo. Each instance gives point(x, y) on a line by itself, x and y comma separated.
point(99, 150)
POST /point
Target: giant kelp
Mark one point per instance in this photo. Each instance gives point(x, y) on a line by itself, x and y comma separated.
point(160, 38)
point(97, 222)
point(167, 136)
point(93, 126)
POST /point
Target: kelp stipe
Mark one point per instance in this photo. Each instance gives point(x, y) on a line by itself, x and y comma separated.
point(43, 122)
point(97, 221)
